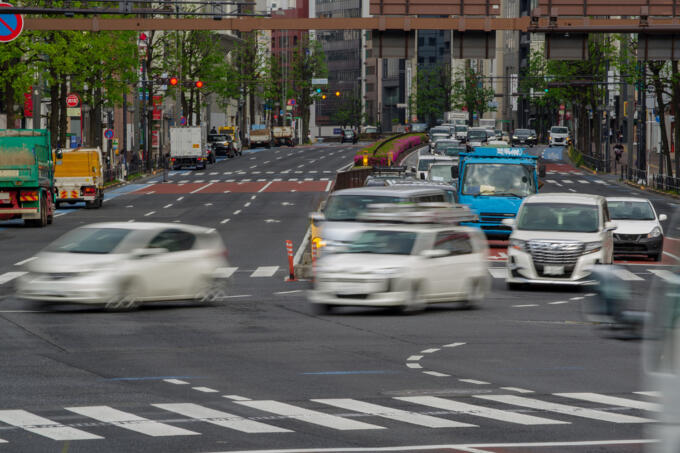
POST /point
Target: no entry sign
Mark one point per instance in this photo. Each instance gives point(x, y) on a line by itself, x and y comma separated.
point(72, 100)
point(11, 24)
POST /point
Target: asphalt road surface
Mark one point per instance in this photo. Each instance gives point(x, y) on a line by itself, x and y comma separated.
point(523, 373)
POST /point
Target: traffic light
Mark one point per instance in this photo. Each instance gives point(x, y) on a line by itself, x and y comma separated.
point(173, 81)
point(318, 90)
point(337, 93)
point(323, 96)
point(545, 90)
point(199, 84)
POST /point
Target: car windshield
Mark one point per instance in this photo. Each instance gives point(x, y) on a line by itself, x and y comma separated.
point(424, 164)
point(630, 210)
point(449, 149)
point(440, 130)
point(89, 240)
point(578, 218)
point(559, 130)
point(461, 128)
point(476, 135)
point(498, 179)
point(522, 132)
point(441, 173)
point(218, 138)
point(348, 207)
point(384, 242)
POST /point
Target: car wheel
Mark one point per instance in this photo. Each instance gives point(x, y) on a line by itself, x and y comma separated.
point(127, 298)
point(213, 290)
point(512, 286)
point(657, 256)
point(475, 293)
point(415, 302)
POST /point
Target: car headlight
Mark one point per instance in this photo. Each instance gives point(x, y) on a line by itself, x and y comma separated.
point(532, 138)
point(519, 244)
point(514, 137)
point(655, 233)
point(592, 247)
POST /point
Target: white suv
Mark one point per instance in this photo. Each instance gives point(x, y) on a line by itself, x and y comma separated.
point(557, 238)
point(559, 136)
point(404, 265)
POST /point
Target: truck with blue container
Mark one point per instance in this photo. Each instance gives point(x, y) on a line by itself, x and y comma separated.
point(26, 176)
point(493, 182)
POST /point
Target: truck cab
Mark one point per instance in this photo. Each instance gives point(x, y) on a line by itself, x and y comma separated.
point(493, 182)
point(78, 176)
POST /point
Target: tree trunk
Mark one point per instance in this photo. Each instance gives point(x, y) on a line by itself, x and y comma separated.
point(63, 118)
point(54, 113)
point(9, 104)
point(655, 68)
point(676, 111)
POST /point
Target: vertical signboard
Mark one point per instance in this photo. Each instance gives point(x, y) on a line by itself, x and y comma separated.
point(514, 86)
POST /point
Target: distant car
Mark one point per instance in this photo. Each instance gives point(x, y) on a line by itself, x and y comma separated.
point(224, 145)
point(559, 136)
point(476, 136)
point(441, 131)
point(523, 137)
point(349, 136)
point(557, 238)
point(418, 127)
point(404, 265)
point(638, 228)
point(461, 133)
point(448, 148)
point(121, 265)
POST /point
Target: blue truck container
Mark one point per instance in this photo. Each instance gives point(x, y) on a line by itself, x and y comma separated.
point(493, 182)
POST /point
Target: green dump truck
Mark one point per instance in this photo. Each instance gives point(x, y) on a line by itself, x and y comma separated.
point(26, 176)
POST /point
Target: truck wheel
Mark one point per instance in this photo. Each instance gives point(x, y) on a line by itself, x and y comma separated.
point(50, 216)
point(42, 221)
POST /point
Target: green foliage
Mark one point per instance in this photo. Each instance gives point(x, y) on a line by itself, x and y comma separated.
point(308, 61)
point(349, 113)
point(470, 92)
point(433, 92)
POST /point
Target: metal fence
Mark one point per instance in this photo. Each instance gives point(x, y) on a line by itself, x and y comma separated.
point(635, 175)
point(127, 171)
point(596, 163)
point(663, 182)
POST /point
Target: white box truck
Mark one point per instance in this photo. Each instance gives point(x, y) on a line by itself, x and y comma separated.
point(187, 148)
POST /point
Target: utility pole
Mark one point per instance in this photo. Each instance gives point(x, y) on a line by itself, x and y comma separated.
point(642, 119)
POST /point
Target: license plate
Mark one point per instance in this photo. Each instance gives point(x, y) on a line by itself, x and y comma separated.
point(553, 270)
point(4, 196)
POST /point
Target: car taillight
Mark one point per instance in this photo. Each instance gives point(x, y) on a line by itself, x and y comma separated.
point(200, 159)
point(88, 190)
point(173, 159)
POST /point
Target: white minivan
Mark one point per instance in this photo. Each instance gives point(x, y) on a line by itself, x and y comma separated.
point(557, 238)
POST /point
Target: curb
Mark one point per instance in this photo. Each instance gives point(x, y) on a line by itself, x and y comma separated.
point(589, 170)
point(649, 189)
point(125, 183)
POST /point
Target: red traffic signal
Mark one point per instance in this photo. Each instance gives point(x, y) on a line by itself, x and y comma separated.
point(199, 84)
point(173, 81)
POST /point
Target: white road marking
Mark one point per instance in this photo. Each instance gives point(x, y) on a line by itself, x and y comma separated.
point(676, 258)
point(599, 181)
point(309, 179)
point(328, 186)
point(577, 298)
point(661, 273)
point(227, 172)
point(199, 180)
point(572, 190)
point(254, 166)
point(205, 389)
point(184, 181)
point(392, 414)
point(612, 400)
point(200, 173)
point(292, 179)
point(517, 389)
point(246, 205)
point(236, 397)
point(201, 188)
point(525, 305)
point(265, 271)
point(429, 351)
point(43, 426)
point(568, 181)
point(307, 415)
point(436, 374)
point(226, 272)
point(175, 381)
point(252, 197)
point(149, 213)
point(652, 394)
point(246, 180)
point(559, 302)
point(224, 221)
point(180, 198)
point(414, 358)
point(219, 418)
point(27, 260)
point(583, 181)
point(313, 171)
point(480, 411)
point(9, 276)
point(167, 206)
point(474, 381)
point(413, 365)
point(149, 193)
point(453, 345)
point(130, 421)
point(625, 274)
point(551, 181)
point(498, 272)
point(213, 173)
point(132, 220)
point(563, 409)
point(230, 180)
point(289, 292)
point(237, 212)
point(214, 180)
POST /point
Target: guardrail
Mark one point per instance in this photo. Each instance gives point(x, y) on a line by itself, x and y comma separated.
point(125, 172)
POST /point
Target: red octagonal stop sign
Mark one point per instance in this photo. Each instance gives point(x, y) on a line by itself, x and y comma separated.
point(72, 100)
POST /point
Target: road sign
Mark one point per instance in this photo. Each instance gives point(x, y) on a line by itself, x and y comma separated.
point(183, 121)
point(11, 24)
point(72, 100)
point(108, 133)
point(319, 81)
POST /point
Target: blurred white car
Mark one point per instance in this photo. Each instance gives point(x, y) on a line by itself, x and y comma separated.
point(121, 265)
point(406, 265)
point(557, 238)
point(638, 228)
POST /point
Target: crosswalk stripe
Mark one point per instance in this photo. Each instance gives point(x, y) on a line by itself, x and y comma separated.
point(393, 414)
point(226, 272)
point(130, 421)
point(551, 181)
point(498, 272)
point(43, 426)
point(9, 276)
point(599, 181)
point(219, 418)
point(625, 274)
point(652, 394)
point(308, 415)
point(564, 409)
point(480, 411)
point(265, 271)
point(583, 181)
point(613, 400)
point(666, 275)
point(568, 181)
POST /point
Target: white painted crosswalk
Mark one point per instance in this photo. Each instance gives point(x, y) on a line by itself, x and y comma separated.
point(640, 274)
point(277, 417)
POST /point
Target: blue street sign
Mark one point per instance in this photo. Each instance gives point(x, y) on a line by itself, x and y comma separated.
point(337, 131)
point(280, 112)
point(108, 133)
point(74, 141)
point(183, 121)
point(11, 25)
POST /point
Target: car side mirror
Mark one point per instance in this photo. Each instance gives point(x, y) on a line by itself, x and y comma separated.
point(434, 253)
point(147, 252)
point(317, 217)
point(508, 222)
point(609, 226)
point(59, 154)
point(413, 169)
point(663, 217)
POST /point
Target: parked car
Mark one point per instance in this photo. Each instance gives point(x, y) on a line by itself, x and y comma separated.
point(638, 227)
point(557, 238)
point(406, 264)
point(348, 136)
point(523, 137)
point(121, 265)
